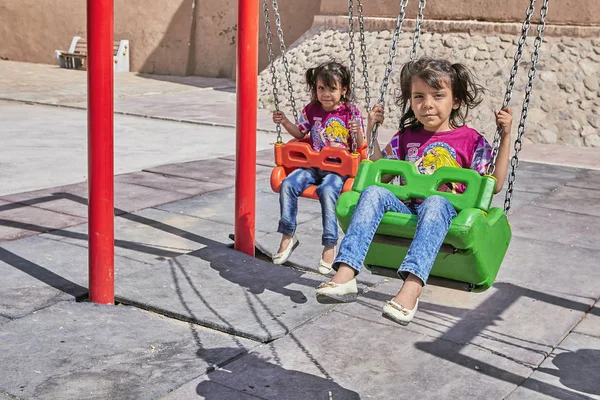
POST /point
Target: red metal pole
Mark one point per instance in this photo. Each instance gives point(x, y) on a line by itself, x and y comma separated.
point(247, 84)
point(100, 150)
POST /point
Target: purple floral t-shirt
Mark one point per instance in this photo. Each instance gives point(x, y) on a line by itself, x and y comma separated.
point(328, 128)
point(462, 147)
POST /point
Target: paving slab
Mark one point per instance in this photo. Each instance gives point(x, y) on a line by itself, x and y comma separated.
point(213, 106)
point(38, 271)
point(226, 290)
point(182, 106)
point(263, 157)
point(151, 236)
point(207, 390)
point(542, 266)
point(51, 84)
point(170, 183)
point(86, 350)
point(139, 143)
point(589, 180)
point(556, 226)
point(575, 199)
point(590, 325)
point(519, 323)
point(73, 199)
point(571, 372)
point(566, 156)
point(68, 199)
point(208, 106)
point(543, 178)
point(19, 220)
point(213, 170)
point(519, 199)
point(533, 181)
point(340, 357)
point(219, 207)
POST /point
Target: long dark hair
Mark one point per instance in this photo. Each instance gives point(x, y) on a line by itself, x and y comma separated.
point(435, 72)
point(330, 73)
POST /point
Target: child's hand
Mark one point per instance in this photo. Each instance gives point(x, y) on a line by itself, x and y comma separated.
point(504, 120)
point(355, 128)
point(376, 114)
point(279, 117)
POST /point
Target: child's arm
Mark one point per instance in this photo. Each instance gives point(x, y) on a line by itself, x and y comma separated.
point(375, 116)
point(504, 121)
point(357, 132)
point(280, 118)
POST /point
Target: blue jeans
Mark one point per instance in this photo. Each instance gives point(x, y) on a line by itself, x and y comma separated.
point(434, 214)
point(329, 188)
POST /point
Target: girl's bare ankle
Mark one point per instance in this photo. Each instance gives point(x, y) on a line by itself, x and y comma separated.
point(328, 254)
point(344, 274)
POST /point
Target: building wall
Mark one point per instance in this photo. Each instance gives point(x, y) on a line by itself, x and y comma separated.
point(158, 30)
point(172, 37)
point(184, 37)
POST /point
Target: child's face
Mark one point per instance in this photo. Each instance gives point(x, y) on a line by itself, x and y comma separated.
point(330, 97)
point(432, 106)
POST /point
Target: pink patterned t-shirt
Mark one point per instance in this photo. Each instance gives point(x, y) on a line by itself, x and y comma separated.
point(461, 147)
point(328, 128)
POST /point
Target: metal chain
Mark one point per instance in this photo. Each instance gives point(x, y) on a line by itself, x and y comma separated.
point(417, 33)
point(416, 37)
point(511, 83)
point(514, 162)
point(271, 64)
point(363, 54)
point(388, 71)
point(284, 58)
point(352, 69)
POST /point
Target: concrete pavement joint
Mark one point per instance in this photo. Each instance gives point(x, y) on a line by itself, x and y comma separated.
point(129, 114)
point(180, 317)
point(24, 204)
point(514, 236)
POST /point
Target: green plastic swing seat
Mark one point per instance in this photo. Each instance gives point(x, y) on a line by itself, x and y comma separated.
point(478, 237)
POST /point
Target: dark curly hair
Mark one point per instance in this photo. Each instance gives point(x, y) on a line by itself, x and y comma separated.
point(330, 73)
point(435, 72)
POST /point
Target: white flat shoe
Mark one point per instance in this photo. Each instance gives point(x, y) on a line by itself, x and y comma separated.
point(280, 258)
point(398, 313)
point(329, 292)
point(325, 268)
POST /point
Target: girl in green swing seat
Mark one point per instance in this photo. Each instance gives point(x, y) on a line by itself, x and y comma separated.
point(435, 100)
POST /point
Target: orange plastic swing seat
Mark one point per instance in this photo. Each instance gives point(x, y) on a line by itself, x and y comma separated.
point(300, 154)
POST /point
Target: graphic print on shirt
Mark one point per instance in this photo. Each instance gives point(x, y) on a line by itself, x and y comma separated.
point(435, 156)
point(412, 152)
point(334, 133)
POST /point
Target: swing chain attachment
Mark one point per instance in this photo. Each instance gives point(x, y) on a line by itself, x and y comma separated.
point(511, 83)
point(514, 162)
point(363, 54)
point(388, 70)
point(417, 33)
point(269, 35)
point(352, 69)
point(284, 58)
point(416, 38)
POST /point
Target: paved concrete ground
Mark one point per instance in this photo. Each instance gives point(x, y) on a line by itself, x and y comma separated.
point(198, 320)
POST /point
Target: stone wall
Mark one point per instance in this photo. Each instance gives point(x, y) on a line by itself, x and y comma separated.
point(565, 101)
